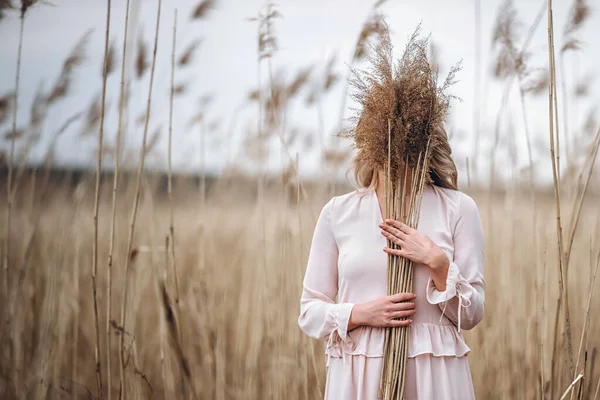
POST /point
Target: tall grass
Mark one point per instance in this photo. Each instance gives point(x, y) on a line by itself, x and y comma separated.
point(134, 211)
point(213, 314)
point(214, 323)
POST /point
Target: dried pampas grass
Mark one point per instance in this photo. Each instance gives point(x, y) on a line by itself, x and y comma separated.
point(404, 93)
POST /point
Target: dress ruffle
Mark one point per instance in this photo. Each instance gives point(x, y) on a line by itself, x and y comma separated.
point(424, 338)
point(438, 340)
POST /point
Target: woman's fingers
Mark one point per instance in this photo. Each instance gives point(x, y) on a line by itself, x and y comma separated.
point(394, 239)
point(399, 322)
point(402, 306)
point(398, 297)
point(396, 252)
point(393, 230)
point(402, 314)
point(399, 225)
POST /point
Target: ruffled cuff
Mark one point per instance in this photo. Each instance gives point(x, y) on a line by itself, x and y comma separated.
point(342, 318)
point(434, 296)
point(456, 286)
point(338, 339)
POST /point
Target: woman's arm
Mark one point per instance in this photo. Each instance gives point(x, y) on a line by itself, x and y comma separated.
point(463, 298)
point(456, 286)
point(320, 316)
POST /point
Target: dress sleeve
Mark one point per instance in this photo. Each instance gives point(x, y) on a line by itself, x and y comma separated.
point(463, 300)
point(320, 317)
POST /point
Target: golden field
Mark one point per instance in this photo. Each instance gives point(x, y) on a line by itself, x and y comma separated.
point(239, 296)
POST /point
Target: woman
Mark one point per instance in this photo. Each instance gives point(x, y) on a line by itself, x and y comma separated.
point(348, 259)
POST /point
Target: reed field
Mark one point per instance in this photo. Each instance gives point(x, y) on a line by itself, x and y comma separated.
point(123, 282)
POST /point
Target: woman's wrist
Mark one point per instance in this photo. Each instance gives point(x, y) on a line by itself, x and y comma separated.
point(438, 270)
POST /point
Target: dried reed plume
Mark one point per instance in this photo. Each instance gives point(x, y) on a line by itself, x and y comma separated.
point(267, 40)
point(580, 11)
point(536, 85)
point(63, 83)
point(110, 59)
point(505, 36)
point(202, 9)
point(406, 94)
point(373, 27)
point(6, 106)
point(582, 88)
point(22, 8)
point(153, 140)
point(141, 62)
point(578, 15)
point(180, 89)
point(93, 114)
point(4, 5)
point(188, 54)
point(330, 77)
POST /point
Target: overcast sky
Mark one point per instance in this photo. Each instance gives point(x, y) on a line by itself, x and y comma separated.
point(309, 34)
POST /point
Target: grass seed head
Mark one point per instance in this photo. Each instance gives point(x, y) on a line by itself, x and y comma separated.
point(6, 102)
point(505, 37)
point(299, 82)
point(93, 115)
point(188, 55)
point(4, 6)
point(64, 82)
point(405, 93)
point(373, 27)
point(202, 9)
point(141, 59)
point(580, 12)
point(110, 59)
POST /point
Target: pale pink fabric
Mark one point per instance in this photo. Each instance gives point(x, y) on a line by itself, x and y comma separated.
point(347, 261)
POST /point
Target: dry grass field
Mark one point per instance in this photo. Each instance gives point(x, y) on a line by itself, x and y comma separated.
point(193, 293)
point(239, 298)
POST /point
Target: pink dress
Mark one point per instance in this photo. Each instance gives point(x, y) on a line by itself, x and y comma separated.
point(347, 260)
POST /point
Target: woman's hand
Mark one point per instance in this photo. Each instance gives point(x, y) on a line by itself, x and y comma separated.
point(383, 312)
point(417, 247)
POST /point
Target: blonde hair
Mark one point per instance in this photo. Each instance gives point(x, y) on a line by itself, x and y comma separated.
point(442, 170)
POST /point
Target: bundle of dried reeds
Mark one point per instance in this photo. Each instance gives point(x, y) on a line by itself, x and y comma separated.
point(395, 130)
point(403, 202)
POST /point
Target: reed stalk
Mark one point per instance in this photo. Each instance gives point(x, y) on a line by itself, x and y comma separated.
point(589, 165)
point(97, 205)
point(565, 108)
point(11, 157)
point(76, 317)
point(585, 321)
point(114, 207)
point(170, 153)
point(402, 204)
point(10, 198)
point(551, 108)
point(162, 329)
point(135, 210)
point(571, 386)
